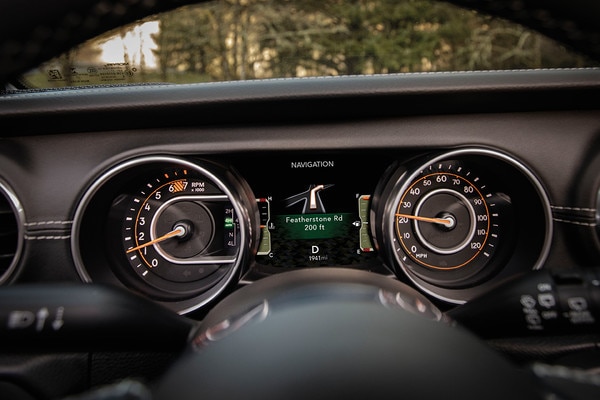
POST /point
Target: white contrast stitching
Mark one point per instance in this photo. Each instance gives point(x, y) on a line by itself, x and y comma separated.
point(28, 237)
point(573, 208)
point(574, 222)
point(40, 223)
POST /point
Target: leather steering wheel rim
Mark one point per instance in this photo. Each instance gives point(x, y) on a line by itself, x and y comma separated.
point(332, 333)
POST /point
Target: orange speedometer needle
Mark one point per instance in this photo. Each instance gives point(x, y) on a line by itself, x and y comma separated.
point(449, 222)
point(178, 231)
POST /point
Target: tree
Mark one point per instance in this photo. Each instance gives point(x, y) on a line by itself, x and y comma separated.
point(246, 39)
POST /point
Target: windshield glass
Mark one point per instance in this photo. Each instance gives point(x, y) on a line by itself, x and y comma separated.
point(261, 39)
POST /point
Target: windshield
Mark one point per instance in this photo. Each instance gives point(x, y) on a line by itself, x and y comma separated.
point(261, 39)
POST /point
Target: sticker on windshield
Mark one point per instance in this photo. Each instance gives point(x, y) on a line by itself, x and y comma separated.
point(103, 74)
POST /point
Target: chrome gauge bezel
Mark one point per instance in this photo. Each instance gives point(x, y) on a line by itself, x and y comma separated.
point(510, 259)
point(97, 236)
point(15, 204)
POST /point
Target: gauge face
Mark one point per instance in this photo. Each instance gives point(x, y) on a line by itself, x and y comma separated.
point(179, 228)
point(174, 230)
point(456, 222)
point(444, 221)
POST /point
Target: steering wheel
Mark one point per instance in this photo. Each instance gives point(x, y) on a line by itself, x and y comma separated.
point(335, 333)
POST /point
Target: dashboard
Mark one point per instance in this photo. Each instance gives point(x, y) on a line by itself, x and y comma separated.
point(226, 208)
point(452, 204)
point(180, 229)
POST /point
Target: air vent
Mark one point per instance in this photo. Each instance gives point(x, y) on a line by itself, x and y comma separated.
point(11, 236)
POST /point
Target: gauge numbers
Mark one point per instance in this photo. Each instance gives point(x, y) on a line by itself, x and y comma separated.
point(173, 229)
point(444, 221)
point(179, 228)
point(446, 224)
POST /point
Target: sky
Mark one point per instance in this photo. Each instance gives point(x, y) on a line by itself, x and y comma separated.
point(113, 49)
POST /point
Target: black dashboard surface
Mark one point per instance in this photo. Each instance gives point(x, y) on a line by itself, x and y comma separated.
point(450, 183)
point(342, 131)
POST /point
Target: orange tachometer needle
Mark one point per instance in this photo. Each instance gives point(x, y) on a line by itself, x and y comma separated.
point(449, 222)
point(178, 231)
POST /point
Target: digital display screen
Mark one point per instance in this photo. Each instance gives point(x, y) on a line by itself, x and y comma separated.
point(323, 226)
point(318, 213)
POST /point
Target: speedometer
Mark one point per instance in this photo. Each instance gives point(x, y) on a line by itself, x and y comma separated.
point(447, 220)
point(456, 222)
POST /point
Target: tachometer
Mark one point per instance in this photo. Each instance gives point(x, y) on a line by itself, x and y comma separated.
point(179, 228)
point(174, 230)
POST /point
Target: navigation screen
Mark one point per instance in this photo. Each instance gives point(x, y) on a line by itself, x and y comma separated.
point(318, 214)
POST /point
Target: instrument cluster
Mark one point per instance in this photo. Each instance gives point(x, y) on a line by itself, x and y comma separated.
point(183, 229)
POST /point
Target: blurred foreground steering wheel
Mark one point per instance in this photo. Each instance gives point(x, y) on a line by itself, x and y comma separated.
point(337, 333)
